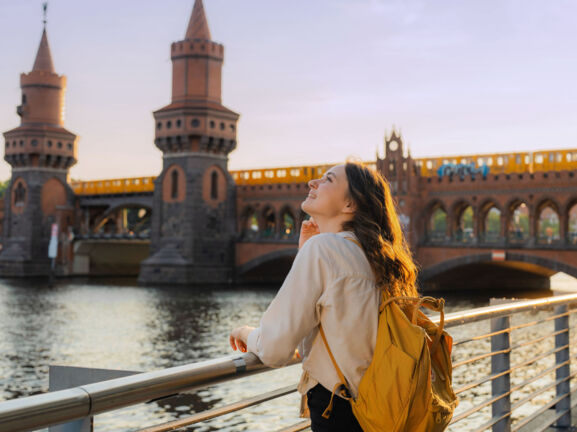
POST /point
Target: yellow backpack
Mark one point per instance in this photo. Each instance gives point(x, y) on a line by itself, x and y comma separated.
point(408, 385)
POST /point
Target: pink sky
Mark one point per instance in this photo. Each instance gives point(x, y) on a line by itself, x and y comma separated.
point(314, 81)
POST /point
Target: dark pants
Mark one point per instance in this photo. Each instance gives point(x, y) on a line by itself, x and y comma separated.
point(342, 417)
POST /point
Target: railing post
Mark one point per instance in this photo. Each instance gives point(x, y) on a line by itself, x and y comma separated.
point(562, 356)
point(501, 363)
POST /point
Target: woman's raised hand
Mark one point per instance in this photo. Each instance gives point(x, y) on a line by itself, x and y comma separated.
point(309, 228)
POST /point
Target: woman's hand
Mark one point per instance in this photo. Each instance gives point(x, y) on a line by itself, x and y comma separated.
point(238, 337)
point(309, 228)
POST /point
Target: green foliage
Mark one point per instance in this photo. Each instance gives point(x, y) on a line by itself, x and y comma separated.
point(3, 187)
point(439, 221)
point(467, 219)
point(493, 221)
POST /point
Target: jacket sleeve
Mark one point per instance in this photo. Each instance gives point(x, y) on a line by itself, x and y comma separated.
point(293, 313)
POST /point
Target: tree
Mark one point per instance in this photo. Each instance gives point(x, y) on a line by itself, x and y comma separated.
point(3, 187)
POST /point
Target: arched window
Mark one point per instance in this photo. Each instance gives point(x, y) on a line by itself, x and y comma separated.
point(214, 185)
point(19, 194)
point(269, 223)
point(572, 228)
point(548, 226)
point(518, 229)
point(492, 225)
point(437, 226)
point(464, 230)
point(288, 224)
point(174, 184)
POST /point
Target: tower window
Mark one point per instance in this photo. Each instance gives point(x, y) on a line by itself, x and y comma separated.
point(178, 123)
point(195, 123)
point(21, 143)
point(174, 184)
point(159, 125)
point(214, 185)
point(49, 143)
point(7, 144)
point(212, 124)
point(168, 124)
point(19, 194)
point(231, 127)
point(59, 145)
point(69, 146)
point(34, 143)
point(23, 98)
point(222, 126)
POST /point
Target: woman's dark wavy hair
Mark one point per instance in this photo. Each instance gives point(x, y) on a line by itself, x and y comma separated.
point(376, 225)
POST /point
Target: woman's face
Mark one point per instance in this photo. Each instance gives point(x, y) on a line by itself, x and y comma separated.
point(328, 196)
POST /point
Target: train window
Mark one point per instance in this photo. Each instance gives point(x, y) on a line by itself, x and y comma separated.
point(539, 158)
point(481, 161)
point(455, 161)
point(527, 159)
point(506, 159)
point(500, 161)
point(295, 172)
point(245, 175)
point(559, 157)
point(463, 161)
point(518, 159)
point(490, 161)
point(281, 173)
point(429, 164)
point(256, 174)
point(568, 157)
point(551, 157)
point(269, 174)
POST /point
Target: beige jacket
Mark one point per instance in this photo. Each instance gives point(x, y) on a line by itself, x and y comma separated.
point(330, 282)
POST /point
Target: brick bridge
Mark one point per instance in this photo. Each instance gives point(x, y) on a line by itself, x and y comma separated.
point(506, 220)
point(508, 227)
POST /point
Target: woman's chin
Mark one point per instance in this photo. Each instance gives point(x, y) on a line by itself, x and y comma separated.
point(306, 206)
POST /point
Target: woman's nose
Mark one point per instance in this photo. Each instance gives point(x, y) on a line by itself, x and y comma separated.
point(313, 184)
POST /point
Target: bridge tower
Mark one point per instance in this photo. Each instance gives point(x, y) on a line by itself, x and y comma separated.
point(193, 216)
point(40, 152)
point(400, 171)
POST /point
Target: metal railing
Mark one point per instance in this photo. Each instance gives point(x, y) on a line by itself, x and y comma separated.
point(512, 372)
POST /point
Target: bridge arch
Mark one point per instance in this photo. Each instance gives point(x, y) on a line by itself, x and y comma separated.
point(490, 220)
point(269, 222)
point(462, 218)
point(518, 221)
point(436, 221)
point(548, 221)
point(250, 224)
point(570, 221)
point(270, 267)
point(524, 268)
point(128, 218)
point(287, 221)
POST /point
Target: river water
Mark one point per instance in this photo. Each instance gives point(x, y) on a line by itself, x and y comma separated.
point(114, 324)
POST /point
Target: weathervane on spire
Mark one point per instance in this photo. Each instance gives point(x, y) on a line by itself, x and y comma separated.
point(44, 8)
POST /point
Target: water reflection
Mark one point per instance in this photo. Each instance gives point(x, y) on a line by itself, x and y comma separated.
point(115, 324)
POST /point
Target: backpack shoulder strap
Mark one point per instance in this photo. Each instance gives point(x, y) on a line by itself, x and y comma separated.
point(328, 410)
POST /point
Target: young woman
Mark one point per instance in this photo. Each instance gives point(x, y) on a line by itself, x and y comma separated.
point(351, 249)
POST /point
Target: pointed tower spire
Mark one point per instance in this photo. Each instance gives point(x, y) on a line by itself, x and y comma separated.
point(198, 25)
point(43, 60)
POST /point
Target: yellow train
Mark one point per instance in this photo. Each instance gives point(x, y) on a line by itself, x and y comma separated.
point(113, 186)
point(497, 163)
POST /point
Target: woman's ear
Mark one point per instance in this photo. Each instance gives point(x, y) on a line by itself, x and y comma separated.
point(350, 207)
